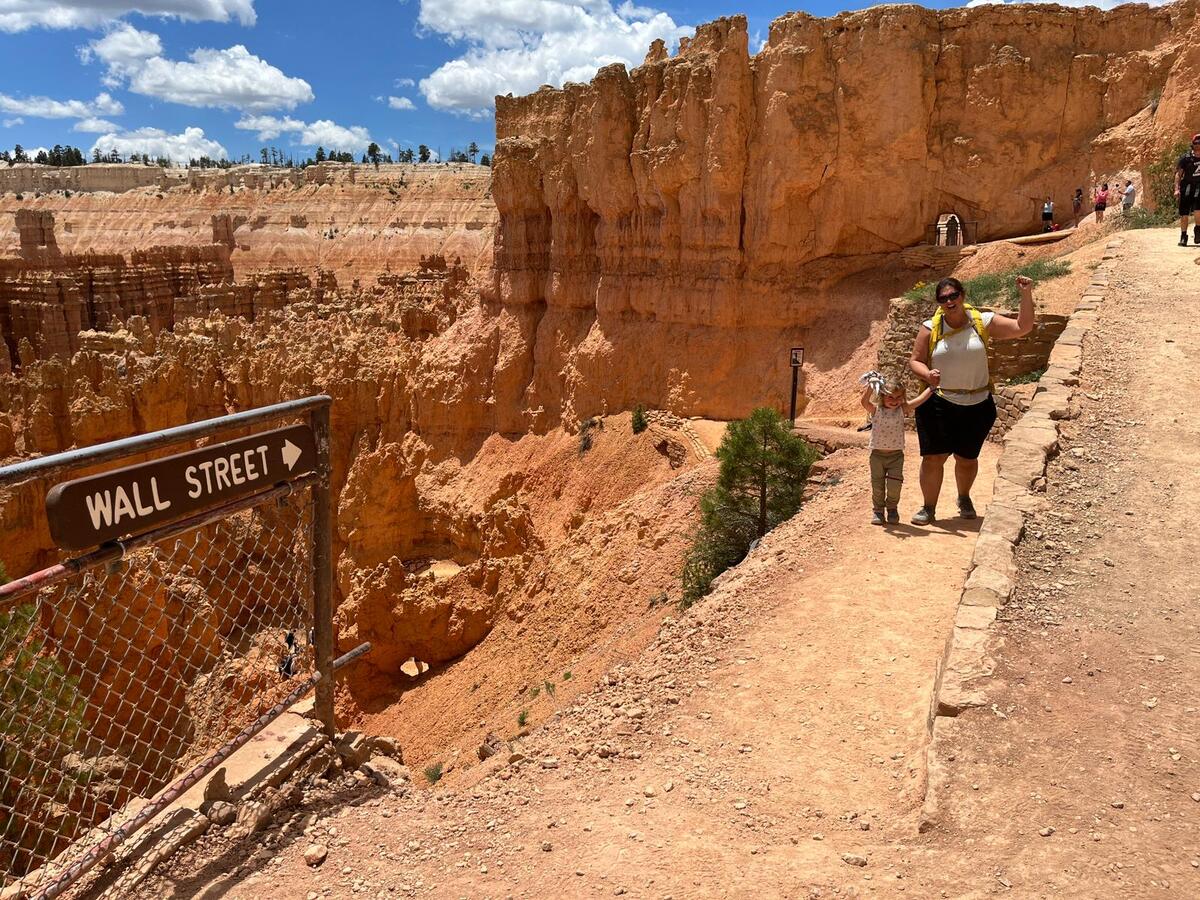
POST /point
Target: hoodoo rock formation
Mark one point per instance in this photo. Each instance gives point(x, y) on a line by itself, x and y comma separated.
point(658, 237)
point(353, 221)
point(683, 223)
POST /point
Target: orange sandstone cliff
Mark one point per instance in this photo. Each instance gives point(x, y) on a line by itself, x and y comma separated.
point(669, 232)
point(661, 236)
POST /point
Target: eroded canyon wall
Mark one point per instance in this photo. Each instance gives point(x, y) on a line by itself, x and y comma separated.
point(673, 229)
point(356, 222)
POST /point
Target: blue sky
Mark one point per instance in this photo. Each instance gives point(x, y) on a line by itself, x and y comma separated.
point(185, 77)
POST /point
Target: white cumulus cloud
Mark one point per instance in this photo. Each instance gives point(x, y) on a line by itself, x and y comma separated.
point(400, 103)
point(404, 82)
point(14, 122)
point(48, 108)
point(322, 133)
point(518, 45)
point(1099, 4)
point(19, 15)
point(97, 126)
point(233, 78)
point(179, 148)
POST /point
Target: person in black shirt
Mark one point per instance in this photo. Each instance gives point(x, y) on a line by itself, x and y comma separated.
point(1187, 189)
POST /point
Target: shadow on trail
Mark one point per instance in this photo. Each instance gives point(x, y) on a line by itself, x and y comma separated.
point(940, 526)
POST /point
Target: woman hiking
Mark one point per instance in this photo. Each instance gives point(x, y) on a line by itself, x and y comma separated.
point(951, 355)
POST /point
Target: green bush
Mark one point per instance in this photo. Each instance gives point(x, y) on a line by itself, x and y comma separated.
point(640, 422)
point(1028, 377)
point(1159, 188)
point(522, 718)
point(764, 467)
point(35, 684)
point(585, 434)
point(433, 773)
point(998, 288)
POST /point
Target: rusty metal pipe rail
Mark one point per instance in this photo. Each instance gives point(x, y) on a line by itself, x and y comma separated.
point(176, 790)
point(142, 443)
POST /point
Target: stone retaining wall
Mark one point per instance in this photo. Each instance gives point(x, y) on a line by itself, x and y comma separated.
point(1011, 402)
point(969, 658)
point(1007, 359)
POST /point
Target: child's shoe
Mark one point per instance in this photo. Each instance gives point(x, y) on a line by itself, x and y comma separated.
point(877, 517)
point(924, 516)
point(893, 516)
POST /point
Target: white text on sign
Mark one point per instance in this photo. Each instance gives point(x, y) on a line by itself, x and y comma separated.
point(225, 471)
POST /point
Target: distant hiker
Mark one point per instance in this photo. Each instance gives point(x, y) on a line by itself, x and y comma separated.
point(1187, 189)
point(1077, 206)
point(1048, 215)
point(887, 442)
point(1101, 202)
point(951, 355)
point(1128, 196)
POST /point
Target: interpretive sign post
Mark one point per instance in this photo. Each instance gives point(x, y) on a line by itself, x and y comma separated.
point(88, 512)
point(797, 359)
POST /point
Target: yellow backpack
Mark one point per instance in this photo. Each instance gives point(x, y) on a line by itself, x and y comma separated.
point(975, 317)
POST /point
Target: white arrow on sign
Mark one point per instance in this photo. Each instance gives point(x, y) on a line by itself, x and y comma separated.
point(291, 453)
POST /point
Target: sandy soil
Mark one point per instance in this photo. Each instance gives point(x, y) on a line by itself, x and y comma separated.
point(1083, 779)
point(775, 727)
point(769, 741)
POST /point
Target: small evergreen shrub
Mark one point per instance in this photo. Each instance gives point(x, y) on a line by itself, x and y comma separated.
point(640, 422)
point(764, 467)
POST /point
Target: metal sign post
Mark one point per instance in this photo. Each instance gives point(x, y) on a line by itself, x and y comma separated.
point(797, 359)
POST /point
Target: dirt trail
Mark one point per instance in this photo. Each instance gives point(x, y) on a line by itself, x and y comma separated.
point(1093, 732)
point(775, 727)
point(770, 739)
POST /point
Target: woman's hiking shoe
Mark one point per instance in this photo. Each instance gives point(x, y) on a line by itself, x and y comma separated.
point(966, 509)
point(893, 516)
point(877, 517)
point(923, 516)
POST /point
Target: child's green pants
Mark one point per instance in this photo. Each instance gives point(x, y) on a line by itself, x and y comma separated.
point(887, 475)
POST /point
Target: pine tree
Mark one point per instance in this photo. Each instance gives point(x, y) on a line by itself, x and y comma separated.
point(485, 160)
point(374, 154)
point(761, 483)
point(473, 150)
point(320, 154)
point(422, 154)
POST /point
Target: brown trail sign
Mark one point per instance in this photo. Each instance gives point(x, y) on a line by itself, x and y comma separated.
point(91, 511)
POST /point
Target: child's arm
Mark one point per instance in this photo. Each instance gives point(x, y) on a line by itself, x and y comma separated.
point(916, 401)
point(865, 400)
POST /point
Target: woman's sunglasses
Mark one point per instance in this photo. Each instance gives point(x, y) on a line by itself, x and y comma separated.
point(946, 298)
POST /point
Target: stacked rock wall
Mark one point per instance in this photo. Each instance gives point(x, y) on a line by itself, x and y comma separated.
point(1006, 359)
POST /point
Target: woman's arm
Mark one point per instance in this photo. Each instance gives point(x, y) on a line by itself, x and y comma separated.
point(1005, 327)
point(865, 400)
point(916, 401)
point(919, 361)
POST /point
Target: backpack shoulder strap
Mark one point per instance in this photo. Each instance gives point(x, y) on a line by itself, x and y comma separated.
point(976, 318)
point(935, 333)
point(977, 322)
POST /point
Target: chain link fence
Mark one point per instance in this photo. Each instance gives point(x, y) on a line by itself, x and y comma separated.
point(116, 680)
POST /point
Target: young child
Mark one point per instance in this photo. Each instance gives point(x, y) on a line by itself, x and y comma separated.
point(887, 441)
